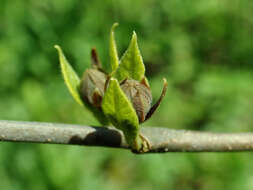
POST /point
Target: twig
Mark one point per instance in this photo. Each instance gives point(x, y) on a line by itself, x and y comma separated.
point(161, 139)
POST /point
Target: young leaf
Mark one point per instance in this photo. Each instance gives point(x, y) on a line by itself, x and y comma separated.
point(120, 112)
point(114, 60)
point(131, 64)
point(70, 77)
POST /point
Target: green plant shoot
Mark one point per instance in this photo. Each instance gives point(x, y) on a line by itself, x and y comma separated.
point(122, 97)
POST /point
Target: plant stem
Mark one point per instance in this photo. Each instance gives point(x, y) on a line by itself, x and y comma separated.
point(161, 139)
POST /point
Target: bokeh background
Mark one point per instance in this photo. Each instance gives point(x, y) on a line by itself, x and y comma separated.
point(203, 48)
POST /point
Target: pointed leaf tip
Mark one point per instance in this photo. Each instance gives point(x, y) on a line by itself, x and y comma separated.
point(131, 63)
point(134, 35)
point(115, 25)
point(70, 77)
point(57, 47)
point(134, 38)
point(165, 83)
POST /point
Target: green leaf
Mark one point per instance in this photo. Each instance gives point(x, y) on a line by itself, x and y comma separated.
point(73, 82)
point(131, 64)
point(70, 77)
point(114, 60)
point(120, 111)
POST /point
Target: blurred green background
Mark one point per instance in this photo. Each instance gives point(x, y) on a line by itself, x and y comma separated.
point(203, 48)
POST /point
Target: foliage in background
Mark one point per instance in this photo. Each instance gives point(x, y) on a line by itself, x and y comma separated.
point(203, 48)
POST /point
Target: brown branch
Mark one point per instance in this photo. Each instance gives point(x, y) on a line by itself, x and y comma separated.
point(161, 139)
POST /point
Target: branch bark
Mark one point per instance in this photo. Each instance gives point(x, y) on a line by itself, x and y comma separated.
point(161, 139)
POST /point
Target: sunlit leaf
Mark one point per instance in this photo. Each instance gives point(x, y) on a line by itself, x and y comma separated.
point(131, 64)
point(73, 82)
point(70, 77)
point(120, 112)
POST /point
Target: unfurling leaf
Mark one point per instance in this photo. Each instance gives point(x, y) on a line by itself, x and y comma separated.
point(114, 60)
point(131, 64)
point(70, 77)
